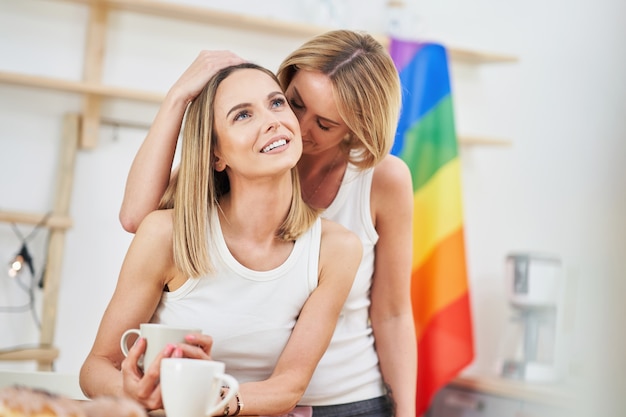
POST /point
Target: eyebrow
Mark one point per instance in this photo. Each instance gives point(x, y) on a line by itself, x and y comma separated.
point(244, 105)
point(332, 122)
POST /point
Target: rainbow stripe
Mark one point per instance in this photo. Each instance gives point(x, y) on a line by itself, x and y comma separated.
point(426, 141)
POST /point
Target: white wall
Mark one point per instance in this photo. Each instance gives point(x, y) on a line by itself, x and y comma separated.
point(558, 189)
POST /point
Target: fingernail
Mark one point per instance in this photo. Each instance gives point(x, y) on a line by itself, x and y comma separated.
point(168, 349)
point(191, 337)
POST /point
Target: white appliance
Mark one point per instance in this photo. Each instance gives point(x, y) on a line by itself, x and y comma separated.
point(536, 291)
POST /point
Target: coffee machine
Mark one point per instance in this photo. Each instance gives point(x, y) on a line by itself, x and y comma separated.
point(533, 339)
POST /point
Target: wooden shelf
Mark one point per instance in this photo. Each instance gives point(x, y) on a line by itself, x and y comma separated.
point(479, 140)
point(478, 57)
point(40, 353)
point(80, 87)
point(273, 26)
point(209, 16)
point(52, 222)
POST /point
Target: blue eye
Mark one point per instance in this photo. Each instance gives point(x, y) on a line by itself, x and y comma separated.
point(278, 102)
point(244, 114)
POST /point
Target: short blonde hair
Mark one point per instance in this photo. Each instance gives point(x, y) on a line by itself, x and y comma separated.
point(366, 88)
point(195, 191)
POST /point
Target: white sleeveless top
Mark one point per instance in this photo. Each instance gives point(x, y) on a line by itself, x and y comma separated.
point(249, 314)
point(349, 369)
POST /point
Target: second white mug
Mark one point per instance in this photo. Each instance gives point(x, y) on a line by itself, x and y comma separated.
point(191, 387)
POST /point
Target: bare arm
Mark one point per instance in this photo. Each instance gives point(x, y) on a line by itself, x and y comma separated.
point(150, 171)
point(148, 266)
point(391, 313)
point(339, 259)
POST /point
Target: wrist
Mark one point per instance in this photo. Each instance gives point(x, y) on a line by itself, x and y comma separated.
point(235, 406)
point(177, 98)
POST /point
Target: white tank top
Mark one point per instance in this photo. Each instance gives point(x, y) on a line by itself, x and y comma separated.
point(249, 314)
point(349, 369)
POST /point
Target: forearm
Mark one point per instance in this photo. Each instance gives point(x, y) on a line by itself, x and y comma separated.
point(397, 352)
point(150, 171)
point(274, 396)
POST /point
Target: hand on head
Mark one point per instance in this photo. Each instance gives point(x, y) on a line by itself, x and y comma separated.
point(205, 66)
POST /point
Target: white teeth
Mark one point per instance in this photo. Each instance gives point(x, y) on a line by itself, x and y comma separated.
point(274, 145)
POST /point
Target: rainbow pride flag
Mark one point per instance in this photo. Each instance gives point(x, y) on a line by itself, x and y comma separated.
point(426, 141)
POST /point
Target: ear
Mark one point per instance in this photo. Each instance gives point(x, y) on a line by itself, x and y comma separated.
point(219, 164)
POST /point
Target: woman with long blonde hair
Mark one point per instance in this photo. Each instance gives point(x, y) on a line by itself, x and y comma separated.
point(236, 252)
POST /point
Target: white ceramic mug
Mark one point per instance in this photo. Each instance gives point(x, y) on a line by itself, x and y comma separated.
point(191, 387)
point(157, 337)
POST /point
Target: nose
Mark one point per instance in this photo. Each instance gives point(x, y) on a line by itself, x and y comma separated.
point(273, 124)
point(270, 119)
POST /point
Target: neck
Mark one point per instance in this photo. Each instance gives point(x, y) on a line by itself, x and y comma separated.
point(320, 177)
point(256, 210)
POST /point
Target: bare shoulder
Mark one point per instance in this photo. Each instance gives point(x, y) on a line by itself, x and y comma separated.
point(392, 187)
point(392, 173)
point(157, 226)
point(158, 220)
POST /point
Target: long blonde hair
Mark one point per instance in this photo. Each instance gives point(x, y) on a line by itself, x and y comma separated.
point(366, 87)
point(195, 191)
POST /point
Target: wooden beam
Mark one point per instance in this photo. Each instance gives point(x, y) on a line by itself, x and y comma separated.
point(94, 57)
point(56, 244)
point(52, 221)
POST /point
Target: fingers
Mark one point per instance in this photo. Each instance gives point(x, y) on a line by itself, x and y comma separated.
point(144, 387)
point(197, 346)
point(131, 363)
point(210, 62)
point(219, 59)
point(198, 339)
point(148, 388)
point(207, 64)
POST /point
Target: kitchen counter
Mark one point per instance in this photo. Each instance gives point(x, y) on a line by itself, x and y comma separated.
point(544, 393)
point(493, 396)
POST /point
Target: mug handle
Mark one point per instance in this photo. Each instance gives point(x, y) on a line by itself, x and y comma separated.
point(233, 387)
point(124, 338)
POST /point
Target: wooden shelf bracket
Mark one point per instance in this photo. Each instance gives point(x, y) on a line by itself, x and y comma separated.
point(46, 353)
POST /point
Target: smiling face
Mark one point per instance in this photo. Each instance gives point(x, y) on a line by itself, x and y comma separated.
point(257, 132)
point(310, 94)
